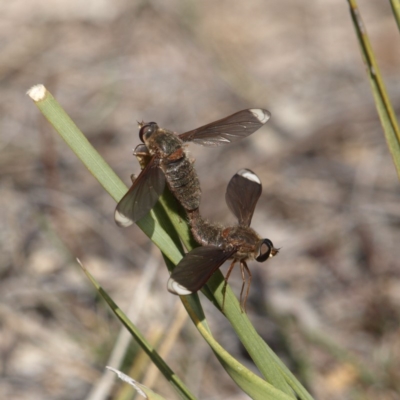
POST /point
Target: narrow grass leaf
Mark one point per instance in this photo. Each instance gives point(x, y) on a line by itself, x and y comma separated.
point(78, 143)
point(156, 225)
point(250, 383)
point(244, 378)
point(147, 348)
point(382, 101)
point(273, 370)
point(396, 11)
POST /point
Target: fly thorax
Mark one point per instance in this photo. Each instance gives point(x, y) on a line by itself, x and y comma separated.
point(177, 155)
point(245, 240)
point(164, 143)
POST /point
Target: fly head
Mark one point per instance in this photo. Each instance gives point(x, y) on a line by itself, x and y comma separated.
point(264, 250)
point(147, 130)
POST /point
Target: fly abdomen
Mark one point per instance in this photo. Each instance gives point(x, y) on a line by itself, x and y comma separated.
point(183, 181)
point(205, 232)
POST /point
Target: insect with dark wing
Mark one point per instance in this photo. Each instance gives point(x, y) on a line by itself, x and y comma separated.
point(168, 162)
point(239, 243)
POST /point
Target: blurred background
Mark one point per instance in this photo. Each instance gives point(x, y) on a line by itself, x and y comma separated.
point(329, 304)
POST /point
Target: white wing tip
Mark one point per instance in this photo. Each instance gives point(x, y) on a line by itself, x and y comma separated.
point(262, 115)
point(122, 220)
point(175, 288)
point(37, 92)
point(250, 175)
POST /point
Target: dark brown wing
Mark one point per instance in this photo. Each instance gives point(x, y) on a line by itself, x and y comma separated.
point(142, 195)
point(196, 268)
point(242, 194)
point(229, 129)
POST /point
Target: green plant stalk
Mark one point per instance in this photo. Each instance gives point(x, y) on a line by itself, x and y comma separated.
point(258, 388)
point(58, 118)
point(178, 385)
point(264, 358)
point(244, 378)
point(258, 349)
point(382, 101)
point(78, 143)
point(178, 219)
point(250, 383)
point(396, 11)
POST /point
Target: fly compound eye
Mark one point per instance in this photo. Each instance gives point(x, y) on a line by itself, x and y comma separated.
point(147, 130)
point(264, 250)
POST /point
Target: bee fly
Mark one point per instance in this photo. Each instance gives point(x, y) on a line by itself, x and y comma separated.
point(239, 243)
point(168, 162)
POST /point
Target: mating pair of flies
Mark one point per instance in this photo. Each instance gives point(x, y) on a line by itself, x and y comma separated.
point(166, 162)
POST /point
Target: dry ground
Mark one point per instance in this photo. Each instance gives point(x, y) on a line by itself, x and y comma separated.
point(329, 304)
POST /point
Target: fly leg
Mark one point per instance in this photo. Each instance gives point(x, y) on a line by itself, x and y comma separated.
point(243, 268)
point(142, 154)
point(226, 282)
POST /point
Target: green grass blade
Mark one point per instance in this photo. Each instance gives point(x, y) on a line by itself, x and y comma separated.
point(264, 358)
point(179, 386)
point(382, 101)
point(258, 350)
point(156, 225)
point(269, 364)
point(75, 139)
point(245, 379)
point(253, 385)
point(396, 11)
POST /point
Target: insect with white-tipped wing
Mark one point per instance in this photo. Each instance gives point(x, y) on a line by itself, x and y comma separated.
point(169, 163)
point(239, 242)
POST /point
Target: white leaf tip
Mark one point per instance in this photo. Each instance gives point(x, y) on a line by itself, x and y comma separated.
point(37, 92)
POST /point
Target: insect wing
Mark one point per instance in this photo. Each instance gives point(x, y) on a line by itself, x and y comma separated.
point(242, 194)
point(196, 268)
point(142, 196)
point(229, 129)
